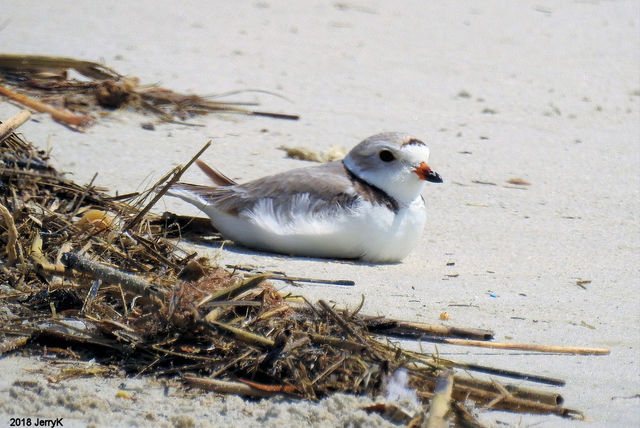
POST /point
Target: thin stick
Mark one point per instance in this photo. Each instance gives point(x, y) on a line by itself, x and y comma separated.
point(345, 282)
point(56, 113)
point(164, 190)
point(186, 355)
point(346, 327)
point(273, 312)
point(13, 123)
point(505, 373)
point(284, 389)
point(12, 240)
point(510, 402)
point(440, 407)
point(128, 281)
point(93, 292)
point(416, 330)
point(433, 361)
point(283, 277)
point(347, 345)
point(227, 387)
point(153, 252)
point(231, 363)
point(243, 335)
point(234, 290)
point(226, 108)
point(276, 115)
point(88, 188)
point(546, 397)
point(522, 346)
point(329, 370)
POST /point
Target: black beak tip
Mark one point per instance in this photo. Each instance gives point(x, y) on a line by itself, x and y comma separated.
point(434, 177)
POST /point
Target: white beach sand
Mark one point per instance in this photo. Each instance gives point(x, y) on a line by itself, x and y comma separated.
point(544, 91)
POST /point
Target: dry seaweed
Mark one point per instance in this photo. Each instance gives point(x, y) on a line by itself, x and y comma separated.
point(99, 276)
point(333, 153)
point(45, 84)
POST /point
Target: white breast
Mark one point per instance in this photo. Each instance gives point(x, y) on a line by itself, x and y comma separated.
point(370, 232)
point(391, 238)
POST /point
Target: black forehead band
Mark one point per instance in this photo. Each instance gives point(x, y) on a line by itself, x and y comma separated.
point(412, 142)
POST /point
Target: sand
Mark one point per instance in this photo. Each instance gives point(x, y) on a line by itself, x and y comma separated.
point(547, 92)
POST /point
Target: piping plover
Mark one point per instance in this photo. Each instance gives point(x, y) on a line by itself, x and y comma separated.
point(367, 206)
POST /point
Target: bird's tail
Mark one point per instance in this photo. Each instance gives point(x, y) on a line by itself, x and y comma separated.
point(196, 194)
point(216, 176)
point(192, 193)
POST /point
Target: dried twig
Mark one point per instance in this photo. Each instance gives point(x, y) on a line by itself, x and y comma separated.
point(234, 290)
point(128, 281)
point(532, 347)
point(172, 181)
point(340, 343)
point(281, 276)
point(504, 372)
point(344, 325)
point(328, 370)
point(284, 389)
point(491, 387)
point(12, 240)
point(243, 335)
point(65, 116)
point(511, 402)
point(227, 387)
point(415, 330)
point(344, 282)
point(6, 128)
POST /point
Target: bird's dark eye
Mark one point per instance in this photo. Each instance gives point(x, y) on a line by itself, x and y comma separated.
point(386, 156)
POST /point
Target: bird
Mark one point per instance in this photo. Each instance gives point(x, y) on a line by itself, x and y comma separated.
point(368, 206)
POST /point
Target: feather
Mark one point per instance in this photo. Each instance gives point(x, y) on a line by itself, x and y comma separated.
point(216, 176)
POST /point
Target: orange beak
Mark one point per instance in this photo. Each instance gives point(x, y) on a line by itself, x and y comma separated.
point(425, 173)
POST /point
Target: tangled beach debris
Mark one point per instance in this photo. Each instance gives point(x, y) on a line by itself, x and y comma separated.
point(95, 276)
point(46, 84)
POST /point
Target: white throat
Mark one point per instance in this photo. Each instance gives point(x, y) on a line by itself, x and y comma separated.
point(399, 181)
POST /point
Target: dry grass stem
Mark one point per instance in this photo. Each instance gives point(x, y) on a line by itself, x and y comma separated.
point(531, 347)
